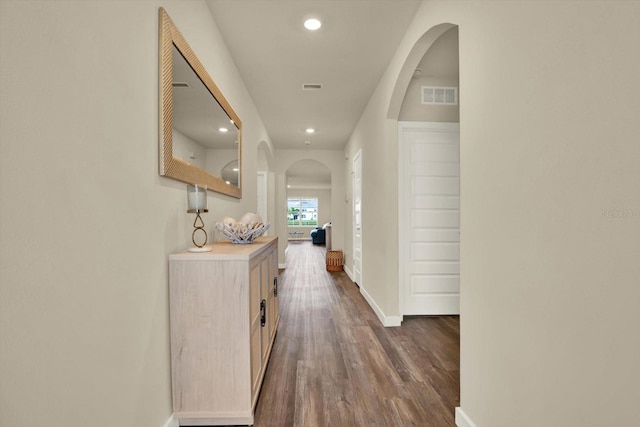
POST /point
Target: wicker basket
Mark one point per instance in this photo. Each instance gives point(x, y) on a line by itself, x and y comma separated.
point(334, 260)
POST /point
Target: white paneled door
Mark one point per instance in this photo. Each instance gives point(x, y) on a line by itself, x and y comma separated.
point(429, 192)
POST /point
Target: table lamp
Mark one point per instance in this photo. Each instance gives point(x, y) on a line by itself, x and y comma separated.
point(197, 203)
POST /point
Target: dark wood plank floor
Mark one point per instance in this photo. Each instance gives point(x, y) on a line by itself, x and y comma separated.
point(334, 364)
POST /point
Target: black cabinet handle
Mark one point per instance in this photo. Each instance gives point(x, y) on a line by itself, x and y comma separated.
point(263, 312)
point(275, 286)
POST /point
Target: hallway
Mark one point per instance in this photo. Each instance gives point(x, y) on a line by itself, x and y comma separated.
point(333, 364)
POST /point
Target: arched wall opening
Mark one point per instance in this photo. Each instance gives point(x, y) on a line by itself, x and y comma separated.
point(414, 57)
point(265, 156)
point(331, 163)
point(428, 175)
point(309, 197)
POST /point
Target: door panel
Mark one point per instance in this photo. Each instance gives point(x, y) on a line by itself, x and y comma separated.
point(435, 251)
point(433, 283)
point(430, 218)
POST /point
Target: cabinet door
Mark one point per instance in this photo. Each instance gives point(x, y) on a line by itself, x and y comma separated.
point(274, 312)
point(256, 328)
point(264, 295)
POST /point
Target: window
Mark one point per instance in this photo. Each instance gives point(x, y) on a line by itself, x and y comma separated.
point(302, 212)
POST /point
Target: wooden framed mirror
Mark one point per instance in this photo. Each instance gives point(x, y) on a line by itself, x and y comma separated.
point(194, 146)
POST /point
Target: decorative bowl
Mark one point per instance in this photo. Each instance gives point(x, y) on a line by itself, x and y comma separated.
point(242, 233)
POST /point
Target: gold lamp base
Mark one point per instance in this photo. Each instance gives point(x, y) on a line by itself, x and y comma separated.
point(198, 225)
point(196, 249)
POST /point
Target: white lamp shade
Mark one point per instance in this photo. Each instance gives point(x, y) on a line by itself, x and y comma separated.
point(197, 198)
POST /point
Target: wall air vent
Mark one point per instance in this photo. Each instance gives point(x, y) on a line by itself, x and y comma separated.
point(180, 84)
point(435, 95)
point(312, 86)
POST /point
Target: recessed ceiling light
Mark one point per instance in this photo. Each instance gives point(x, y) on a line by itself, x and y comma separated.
point(312, 24)
point(223, 130)
point(310, 130)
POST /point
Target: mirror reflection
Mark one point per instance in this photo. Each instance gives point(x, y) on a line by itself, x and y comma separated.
point(230, 173)
point(200, 134)
point(203, 134)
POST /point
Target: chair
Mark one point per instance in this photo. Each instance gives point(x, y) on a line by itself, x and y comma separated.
point(318, 236)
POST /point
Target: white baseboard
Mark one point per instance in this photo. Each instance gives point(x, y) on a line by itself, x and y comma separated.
point(392, 321)
point(387, 321)
point(462, 420)
point(349, 274)
point(171, 422)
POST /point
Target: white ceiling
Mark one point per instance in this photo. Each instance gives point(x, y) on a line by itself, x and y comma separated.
point(276, 56)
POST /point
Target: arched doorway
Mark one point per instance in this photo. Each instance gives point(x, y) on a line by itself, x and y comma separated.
point(429, 175)
point(308, 189)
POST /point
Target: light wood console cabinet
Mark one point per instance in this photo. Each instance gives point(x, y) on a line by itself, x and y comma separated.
point(224, 317)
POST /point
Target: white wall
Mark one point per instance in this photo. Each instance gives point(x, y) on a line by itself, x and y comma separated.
point(550, 207)
point(85, 219)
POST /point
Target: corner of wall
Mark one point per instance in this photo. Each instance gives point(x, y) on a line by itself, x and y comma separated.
point(462, 419)
point(387, 321)
point(171, 422)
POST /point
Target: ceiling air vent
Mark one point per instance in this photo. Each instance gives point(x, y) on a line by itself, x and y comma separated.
point(435, 95)
point(312, 86)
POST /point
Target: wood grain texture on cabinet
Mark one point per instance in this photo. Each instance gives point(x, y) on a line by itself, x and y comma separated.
point(219, 348)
